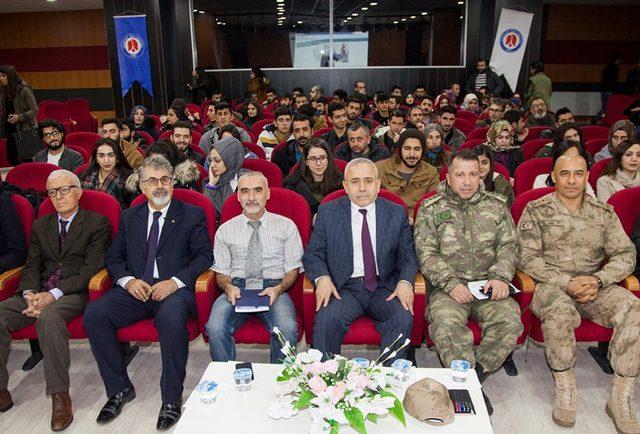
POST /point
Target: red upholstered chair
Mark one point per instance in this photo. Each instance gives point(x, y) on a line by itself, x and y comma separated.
point(85, 155)
point(31, 175)
point(80, 169)
point(4, 162)
point(205, 285)
point(591, 132)
point(195, 136)
point(478, 133)
point(625, 203)
point(596, 170)
point(289, 204)
point(467, 116)
point(321, 131)
point(157, 120)
point(497, 167)
point(258, 150)
point(241, 125)
point(99, 202)
point(616, 104)
point(534, 133)
point(60, 112)
point(83, 139)
point(268, 169)
point(594, 146)
point(273, 106)
point(258, 126)
point(362, 331)
point(194, 108)
point(526, 173)
point(464, 125)
point(268, 115)
point(81, 113)
point(148, 138)
point(530, 148)
point(471, 143)
point(196, 148)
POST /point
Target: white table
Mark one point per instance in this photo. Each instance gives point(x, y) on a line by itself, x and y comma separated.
point(246, 412)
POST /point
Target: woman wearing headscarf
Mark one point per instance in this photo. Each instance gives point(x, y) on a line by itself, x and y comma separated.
point(142, 122)
point(224, 160)
point(620, 131)
point(435, 153)
point(471, 103)
point(500, 141)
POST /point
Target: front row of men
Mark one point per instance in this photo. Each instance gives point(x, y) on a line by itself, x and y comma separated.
point(361, 259)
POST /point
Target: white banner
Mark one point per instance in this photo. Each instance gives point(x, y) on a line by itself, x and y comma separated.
point(510, 44)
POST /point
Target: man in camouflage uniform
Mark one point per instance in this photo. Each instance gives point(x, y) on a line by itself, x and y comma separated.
point(565, 240)
point(465, 234)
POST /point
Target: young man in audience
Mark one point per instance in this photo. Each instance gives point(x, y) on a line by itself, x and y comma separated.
point(210, 117)
point(429, 116)
point(465, 234)
point(286, 100)
point(354, 111)
point(223, 118)
point(563, 116)
point(299, 101)
point(340, 95)
point(52, 134)
point(453, 137)
point(381, 115)
point(338, 134)
point(161, 248)
point(290, 155)
point(358, 269)
point(516, 119)
point(277, 132)
point(320, 106)
point(360, 145)
point(420, 91)
point(396, 91)
point(484, 77)
point(258, 245)
point(394, 102)
point(271, 97)
point(495, 111)
point(181, 137)
point(65, 251)
point(539, 114)
point(406, 173)
point(576, 250)
point(111, 128)
point(390, 134)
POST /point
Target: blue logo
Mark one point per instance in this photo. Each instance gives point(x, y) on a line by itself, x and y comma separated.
point(132, 45)
point(511, 40)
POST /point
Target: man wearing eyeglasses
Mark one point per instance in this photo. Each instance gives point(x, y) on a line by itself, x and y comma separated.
point(52, 134)
point(161, 248)
point(66, 249)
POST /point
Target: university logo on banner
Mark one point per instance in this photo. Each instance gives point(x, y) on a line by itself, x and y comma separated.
point(133, 53)
point(511, 40)
point(132, 45)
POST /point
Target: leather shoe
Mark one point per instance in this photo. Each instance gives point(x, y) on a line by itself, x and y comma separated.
point(169, 415)
point(5, 400)
point(61, 413)
point(114, 405)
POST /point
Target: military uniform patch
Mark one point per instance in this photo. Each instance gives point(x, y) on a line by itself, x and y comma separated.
point(443, 216)
point(526, 226)
point(547, 211)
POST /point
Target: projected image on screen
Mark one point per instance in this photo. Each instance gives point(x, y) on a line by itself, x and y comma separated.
point(311, 50)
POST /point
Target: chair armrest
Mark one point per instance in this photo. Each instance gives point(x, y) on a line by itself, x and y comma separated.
point(307, 286)
point(524, 282)
point(9, 281)
point(631, 283)
point(206, 292)
point(99, 284)
point(308, 308)
point(419, 306)
point(420, 288)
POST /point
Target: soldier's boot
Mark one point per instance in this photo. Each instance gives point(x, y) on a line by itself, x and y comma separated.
point(619, 406)
point(564, 405)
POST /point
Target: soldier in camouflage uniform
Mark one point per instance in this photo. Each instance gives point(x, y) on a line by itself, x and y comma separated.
point(565, 240)
point(464, 234)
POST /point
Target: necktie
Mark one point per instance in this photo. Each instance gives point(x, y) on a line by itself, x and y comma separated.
point(63, 233)
point(54, 278)
point(152, 246)
point(254, 252)
point(370, 275)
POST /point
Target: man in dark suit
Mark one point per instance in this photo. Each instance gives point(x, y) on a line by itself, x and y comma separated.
point(361, 252)
point(66, 249)
point(161, 248)
point(13, 251)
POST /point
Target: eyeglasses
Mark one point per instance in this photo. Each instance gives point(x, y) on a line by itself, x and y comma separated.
point(314, 160)
point(491, 109)
point(51, 134)
point(165, 180)
point(64, 190)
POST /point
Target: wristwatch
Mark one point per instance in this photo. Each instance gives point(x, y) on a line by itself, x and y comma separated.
point(599, 282)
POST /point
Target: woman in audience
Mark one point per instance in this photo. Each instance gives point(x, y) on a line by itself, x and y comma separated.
point(252, 113)
point(435, 154)
point(500, 140)
point(564, 147)
point(569, 131)
point(225, 161)
point(493, 181)
point(620, 131)
point(258, 85)
point(470, 103)
point(142, 122)
point(622, 171)
point(409, 100)
point(230, 130)
point(177, 112)
point(108, 171)
point(317, 175)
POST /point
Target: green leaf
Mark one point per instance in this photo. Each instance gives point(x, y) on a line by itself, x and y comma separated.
point(398, 412)
point(356, 419)
point(372, 417)
point(335, 426)
point(304, 400)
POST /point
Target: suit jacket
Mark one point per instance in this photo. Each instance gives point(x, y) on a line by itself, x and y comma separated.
point(81, 257)
point(184, 247)
point(330, 251)
point(13, 250)
point(69, 160)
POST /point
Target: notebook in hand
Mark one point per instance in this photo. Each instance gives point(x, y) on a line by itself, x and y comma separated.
point(250, 301)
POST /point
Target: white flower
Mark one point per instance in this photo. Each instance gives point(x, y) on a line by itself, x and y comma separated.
point(282, 409)
point(309, 356)
point(315, 354)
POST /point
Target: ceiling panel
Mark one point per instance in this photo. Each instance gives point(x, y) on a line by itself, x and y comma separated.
point(11, 6)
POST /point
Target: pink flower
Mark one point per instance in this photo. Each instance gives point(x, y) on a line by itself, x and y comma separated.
point(336, 393)
point(357, 381)
point(331, 366)
point(317, 385)
point(314, 368)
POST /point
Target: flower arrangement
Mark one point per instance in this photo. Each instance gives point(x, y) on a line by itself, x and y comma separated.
point(337, 391)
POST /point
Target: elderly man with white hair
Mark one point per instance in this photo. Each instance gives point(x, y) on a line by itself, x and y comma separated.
point(66, 249)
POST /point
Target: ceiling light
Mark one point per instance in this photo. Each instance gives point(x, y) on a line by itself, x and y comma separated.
point(395, 22)
point(373, 4)
point(461, 17)
point(404, 19)
point(201, 12)
point(460, 3)
point(424, 13)
point(413, 17)
point(224, 24)
point(355, 14)
point(51, 1)
point(279, 1)
point(299, 22)
point(280, 13)
point(364, 8)
point(194, 11)
point(349, 19)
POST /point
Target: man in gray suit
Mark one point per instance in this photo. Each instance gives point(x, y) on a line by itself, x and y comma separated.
point(52, 133)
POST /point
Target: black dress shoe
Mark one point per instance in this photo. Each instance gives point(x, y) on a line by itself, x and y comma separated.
point(32, 361)
point(114, 405)
point(169, 415)
point(487, 403)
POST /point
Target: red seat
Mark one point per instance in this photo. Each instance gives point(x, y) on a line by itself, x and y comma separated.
point(594, 146)
point(42, 108)
point(84, 140)
point(340, 165)
point(268, 115)
point(497, 167)
point(80, 169)
point(464, 125)
point(467, 116)
point(596, 171)
point(270, 170)
point(321, 131)
point(591, 132)
point(148, 138)
point(195, 136)
point(60, 112)
point(258, 150)
point(471, 143)
point(196, 148)
point(85, 155)
point(289, 204)
point(478, 133)
point(157, 120)
point(258, 126)
point(526, 173)
point(534, 133)
point(241, 125)
point(531, 147)
point(194, 108)
point(616, 104)
point(362, 331)
point(4, 162)
point(81, 113)
point(522, 200)
point(31, 175)
point(625, 203)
